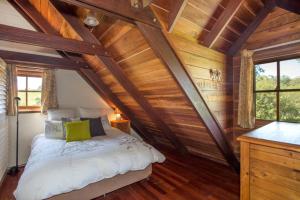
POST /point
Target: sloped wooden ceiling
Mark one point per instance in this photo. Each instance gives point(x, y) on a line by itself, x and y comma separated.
point(148, 76)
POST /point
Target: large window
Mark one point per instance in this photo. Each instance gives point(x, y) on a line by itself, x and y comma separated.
point(277, 90)
point(29, 90)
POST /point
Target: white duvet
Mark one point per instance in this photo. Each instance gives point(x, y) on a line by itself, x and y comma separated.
point(56, 167)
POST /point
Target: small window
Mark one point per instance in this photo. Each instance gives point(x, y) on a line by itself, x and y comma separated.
point(277, 90)
point(29, 83)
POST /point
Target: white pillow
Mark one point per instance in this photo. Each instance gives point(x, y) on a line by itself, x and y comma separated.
point(93, 112)
point(57, 114)
point(54, 129)
point(105, 122)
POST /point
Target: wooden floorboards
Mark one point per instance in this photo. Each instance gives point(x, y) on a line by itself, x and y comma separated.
point(179, 178)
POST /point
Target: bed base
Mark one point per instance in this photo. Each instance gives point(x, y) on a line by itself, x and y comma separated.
point(105, 186)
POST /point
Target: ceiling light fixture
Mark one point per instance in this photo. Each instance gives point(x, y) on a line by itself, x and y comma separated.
point(91, 19)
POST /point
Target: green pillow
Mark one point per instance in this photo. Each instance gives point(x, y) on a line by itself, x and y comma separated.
point(77, 130)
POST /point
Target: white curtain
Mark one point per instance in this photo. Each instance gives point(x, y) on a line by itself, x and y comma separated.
point(246, 115)
point(11, 89)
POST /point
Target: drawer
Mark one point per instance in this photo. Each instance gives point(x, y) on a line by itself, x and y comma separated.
point(274, 173)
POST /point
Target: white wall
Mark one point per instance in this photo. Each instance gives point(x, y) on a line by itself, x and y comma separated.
point(72, 92)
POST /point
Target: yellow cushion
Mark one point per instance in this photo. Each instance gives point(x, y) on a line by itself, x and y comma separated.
point(77, 130)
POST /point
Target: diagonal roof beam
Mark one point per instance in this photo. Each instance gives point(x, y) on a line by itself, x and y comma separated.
point(41, 61)
point(220, 25)
point(290, 5)
point(236, 47)
point(118, 73)
point(113, 101)
point(23, 36)
point(120, 9)
point(175, 12)
point(94, 81)
point(163, 49)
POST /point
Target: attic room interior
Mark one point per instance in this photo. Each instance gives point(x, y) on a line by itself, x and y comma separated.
point(150, 99)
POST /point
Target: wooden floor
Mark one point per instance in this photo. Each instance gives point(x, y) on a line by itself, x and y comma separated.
point(179, 178)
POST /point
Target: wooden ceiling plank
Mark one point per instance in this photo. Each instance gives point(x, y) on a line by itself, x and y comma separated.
point(97, 84)
point(269, 6)
point(164, 50)
point(121, 9)
point(176, 10)
point(18, 35)
point(222, 22)
point(118, 73)
point(39, 60)
point(290, 5)
point(100, 87)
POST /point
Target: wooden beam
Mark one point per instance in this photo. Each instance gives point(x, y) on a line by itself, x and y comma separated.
point(88, 75)
point(42, 61)
point(24, 36)
point(163, 49)
point(222, 22)
point(120, 9)
point(40, 23)
point(236, 47)
point(290, 5)
point(99, 86)
point(175, 12)
point(118, 73)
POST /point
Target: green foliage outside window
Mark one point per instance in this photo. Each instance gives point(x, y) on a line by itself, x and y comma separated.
point(267, 89)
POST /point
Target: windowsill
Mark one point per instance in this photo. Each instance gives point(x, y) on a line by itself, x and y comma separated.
point(28, 112)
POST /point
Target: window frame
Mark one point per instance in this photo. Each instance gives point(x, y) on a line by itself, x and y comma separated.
point(27, 73)
point(277, 90)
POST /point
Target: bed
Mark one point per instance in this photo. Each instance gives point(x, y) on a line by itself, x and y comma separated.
point(85, 170)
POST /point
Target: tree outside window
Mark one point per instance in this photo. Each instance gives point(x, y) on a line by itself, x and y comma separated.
point(29, 85)
point(277, 90)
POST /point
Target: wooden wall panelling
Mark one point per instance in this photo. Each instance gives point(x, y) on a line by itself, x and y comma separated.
point(114, 68)
point(290, 5)
point(43, 24)
point(277, 28)
point(104, 91)
point(222, 22)
point(175, 12)
point(269, 6)
point(120, 9)
point(163, 49)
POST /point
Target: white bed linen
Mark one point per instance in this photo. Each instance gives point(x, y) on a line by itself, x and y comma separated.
point(56, 167)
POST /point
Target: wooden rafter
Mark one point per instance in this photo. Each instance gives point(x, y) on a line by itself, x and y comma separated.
point(290, 5)
point(163, 49)
point(269, 6)
point(41, 61)
point(118, 73)
point(112, 100)
point(222, 22)
point(100, 87)
point(175, 12)
point(121, 9)
point(24, 36)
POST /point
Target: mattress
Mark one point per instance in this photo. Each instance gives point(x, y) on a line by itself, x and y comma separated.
point(55, 167)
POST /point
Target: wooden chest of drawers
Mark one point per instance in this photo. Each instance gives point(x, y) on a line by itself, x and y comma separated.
point(270, 163)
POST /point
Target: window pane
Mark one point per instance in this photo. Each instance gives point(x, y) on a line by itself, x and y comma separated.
point(21, 82)
point(290, 74)
point(34, 83)
point(266, 105)
point(34, 98)
point(22, 95)
point(266, 76)
point(289, 103)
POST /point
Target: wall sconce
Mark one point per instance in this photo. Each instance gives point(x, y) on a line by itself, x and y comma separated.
point(118, 114)
point(215, 74)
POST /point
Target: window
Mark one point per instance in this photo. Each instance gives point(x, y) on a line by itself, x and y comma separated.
point(29, 85)
point(277, 90)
